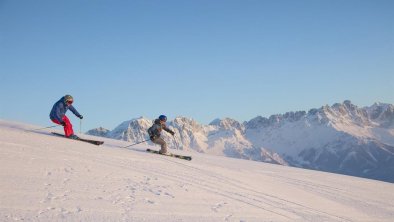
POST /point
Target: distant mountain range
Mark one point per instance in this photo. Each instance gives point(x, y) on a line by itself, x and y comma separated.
point(341, 138)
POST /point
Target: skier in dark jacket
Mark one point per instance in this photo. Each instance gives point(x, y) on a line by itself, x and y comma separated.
point(155, 132)
point(58, 116)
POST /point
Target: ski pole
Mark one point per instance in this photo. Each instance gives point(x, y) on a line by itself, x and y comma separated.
point(136, 143)
point(42, 128)
point(80, 126)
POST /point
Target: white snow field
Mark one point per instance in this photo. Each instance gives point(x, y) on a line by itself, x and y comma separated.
point(49, 178)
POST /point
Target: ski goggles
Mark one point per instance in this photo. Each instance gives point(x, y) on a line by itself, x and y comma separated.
point(69, 102)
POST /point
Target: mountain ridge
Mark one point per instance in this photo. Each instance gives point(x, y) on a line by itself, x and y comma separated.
point(341, 138)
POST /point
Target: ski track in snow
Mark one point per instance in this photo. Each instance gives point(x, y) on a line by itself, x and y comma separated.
point(252, 197)
point(47, 178)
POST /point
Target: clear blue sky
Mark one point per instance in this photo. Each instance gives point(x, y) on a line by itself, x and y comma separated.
point(203, 59)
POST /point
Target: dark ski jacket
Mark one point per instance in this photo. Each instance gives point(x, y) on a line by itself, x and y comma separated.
point(59, 110)
point(157, 127)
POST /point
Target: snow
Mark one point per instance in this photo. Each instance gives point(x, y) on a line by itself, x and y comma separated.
point(292, 137)
point(48, 178)
point(384, 135)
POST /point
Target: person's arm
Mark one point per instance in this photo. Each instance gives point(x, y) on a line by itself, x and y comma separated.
point(168, 130)
point(75, 111)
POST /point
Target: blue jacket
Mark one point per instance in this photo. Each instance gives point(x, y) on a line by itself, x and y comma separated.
point(59, 110)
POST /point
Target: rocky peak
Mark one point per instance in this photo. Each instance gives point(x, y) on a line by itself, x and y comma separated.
point(257, 122)
point(227, 123)
point(184, 123)
point(382, 114)
point(100, 131)
point(132, 130)
point(294, 116)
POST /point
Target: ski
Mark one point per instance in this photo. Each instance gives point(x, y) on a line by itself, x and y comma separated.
point(171, 155)
point(95, 142)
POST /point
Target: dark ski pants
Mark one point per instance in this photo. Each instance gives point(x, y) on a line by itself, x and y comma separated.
point(68, 128)
point(162, 144)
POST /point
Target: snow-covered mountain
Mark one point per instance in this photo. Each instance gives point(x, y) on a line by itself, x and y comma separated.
point(221, 137)
point(341, 138)
point(98, 132)
point(48, 178)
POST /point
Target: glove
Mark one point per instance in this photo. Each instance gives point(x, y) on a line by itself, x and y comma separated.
point(62, 123)
point(152, 138)
point(172, 133)
point(80, 116)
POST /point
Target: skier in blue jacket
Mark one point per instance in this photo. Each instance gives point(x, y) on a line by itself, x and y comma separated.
point(58, 115)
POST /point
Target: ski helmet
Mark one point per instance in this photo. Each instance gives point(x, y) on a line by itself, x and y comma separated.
point(163, 118)
point(68, 99)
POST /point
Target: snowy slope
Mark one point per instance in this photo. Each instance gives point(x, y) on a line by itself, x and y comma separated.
point(48, 178)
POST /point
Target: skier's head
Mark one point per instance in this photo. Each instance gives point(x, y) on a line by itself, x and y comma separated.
point(163, 118)
point(68, 99)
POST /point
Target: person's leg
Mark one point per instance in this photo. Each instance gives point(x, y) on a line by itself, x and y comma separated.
point(68, 128)
point(55, 121)
point(162, 144)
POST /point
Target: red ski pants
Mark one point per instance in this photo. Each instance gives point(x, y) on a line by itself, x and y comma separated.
point(68, 128)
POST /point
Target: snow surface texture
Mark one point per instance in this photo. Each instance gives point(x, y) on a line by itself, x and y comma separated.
point(341, 138)
point(48, 178)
